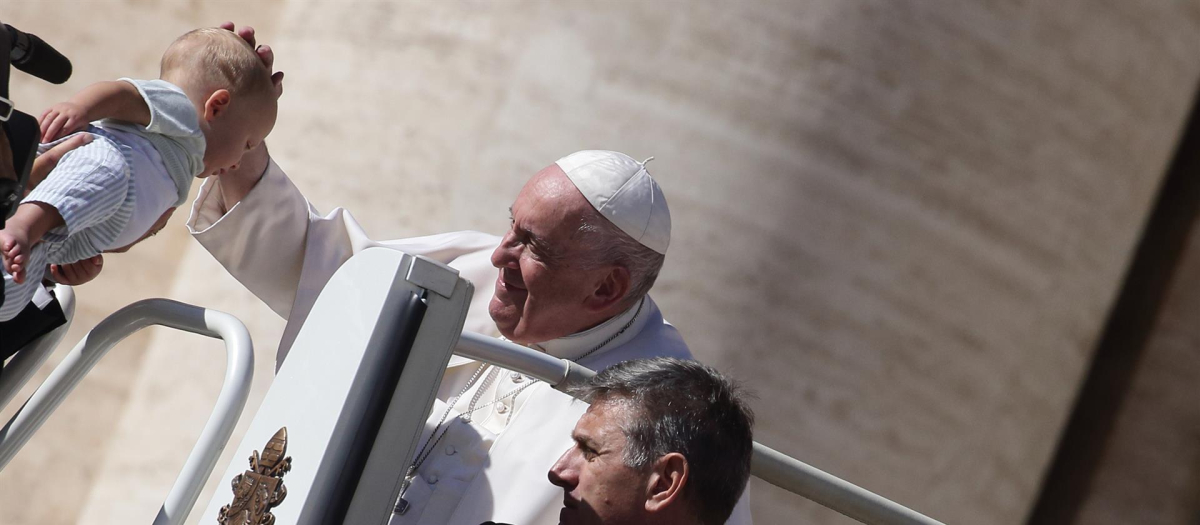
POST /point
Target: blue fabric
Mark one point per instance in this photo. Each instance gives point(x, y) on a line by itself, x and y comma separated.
point(92, 186)
point(92, 191)
point(174, 130)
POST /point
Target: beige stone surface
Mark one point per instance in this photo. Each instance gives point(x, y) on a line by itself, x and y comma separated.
point(901, 223)
point(1149, 472)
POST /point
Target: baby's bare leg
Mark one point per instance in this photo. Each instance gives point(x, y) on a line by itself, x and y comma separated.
point(22, 231)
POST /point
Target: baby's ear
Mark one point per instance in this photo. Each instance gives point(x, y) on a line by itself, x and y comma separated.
point(217, 104)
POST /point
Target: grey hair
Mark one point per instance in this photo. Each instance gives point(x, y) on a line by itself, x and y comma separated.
point(609, 245)
point(685, 407)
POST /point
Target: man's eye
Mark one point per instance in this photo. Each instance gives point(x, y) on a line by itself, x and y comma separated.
point(533, 253)
point(249, 146)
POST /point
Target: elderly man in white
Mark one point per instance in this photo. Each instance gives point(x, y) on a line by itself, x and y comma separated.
point(570, 278)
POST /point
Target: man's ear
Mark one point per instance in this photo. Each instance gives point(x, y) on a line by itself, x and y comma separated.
point(665, 485)
point(217, 104)
point(612, 289)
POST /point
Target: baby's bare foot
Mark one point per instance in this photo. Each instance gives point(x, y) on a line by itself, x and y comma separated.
point(14, 246)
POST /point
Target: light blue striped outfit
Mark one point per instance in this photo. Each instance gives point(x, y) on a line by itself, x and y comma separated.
point(93, 186)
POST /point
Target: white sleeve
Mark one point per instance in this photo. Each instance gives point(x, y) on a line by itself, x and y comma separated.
point(281, 249)
point(171, 112)
point(262, 241)
point(174, 128)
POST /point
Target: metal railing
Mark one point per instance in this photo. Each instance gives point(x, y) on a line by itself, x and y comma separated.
point(239, 368)
point(769, 465)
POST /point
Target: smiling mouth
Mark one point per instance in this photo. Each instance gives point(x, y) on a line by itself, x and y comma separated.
point(509, 284)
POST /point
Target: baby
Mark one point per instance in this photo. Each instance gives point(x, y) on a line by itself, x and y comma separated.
point(214, 102)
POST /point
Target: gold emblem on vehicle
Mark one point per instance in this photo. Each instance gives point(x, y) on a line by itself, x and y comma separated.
point(259, 489)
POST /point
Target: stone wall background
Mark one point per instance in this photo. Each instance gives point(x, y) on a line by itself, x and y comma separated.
point(901, 223)
point(1148, 469)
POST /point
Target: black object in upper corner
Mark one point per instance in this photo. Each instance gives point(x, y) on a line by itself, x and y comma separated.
point(33, 55)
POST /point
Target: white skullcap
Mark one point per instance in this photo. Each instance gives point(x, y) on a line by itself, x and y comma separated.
point(621, 190)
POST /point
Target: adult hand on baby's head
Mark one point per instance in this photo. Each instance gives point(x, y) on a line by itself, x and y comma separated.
point(77, 273)
point(235, 184)
point(264, 53)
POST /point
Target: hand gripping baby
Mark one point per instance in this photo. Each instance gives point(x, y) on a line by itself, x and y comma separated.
point(215, 100)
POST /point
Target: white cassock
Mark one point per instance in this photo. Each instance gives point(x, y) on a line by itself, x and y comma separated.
point(491, 468)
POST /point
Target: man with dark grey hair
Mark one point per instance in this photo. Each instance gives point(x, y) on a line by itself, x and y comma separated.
point(664, 441)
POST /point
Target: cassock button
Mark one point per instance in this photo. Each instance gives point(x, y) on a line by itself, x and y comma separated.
point(501, 408)
point(450, 450)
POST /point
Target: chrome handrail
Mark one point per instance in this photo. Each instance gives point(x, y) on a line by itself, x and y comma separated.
point(239, 368)
point(769, 465)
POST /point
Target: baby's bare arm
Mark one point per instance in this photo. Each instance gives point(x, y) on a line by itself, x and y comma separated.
point(115, 99)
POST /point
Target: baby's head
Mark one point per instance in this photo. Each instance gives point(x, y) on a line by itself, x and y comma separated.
point(231, 89)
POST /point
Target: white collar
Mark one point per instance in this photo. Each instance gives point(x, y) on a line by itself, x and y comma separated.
point(577, 345)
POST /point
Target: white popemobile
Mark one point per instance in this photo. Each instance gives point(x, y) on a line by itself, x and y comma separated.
point(348, 438)
point(334, 440)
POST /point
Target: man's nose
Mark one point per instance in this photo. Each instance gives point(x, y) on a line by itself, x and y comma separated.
point(505, 255)
point(562, 474)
